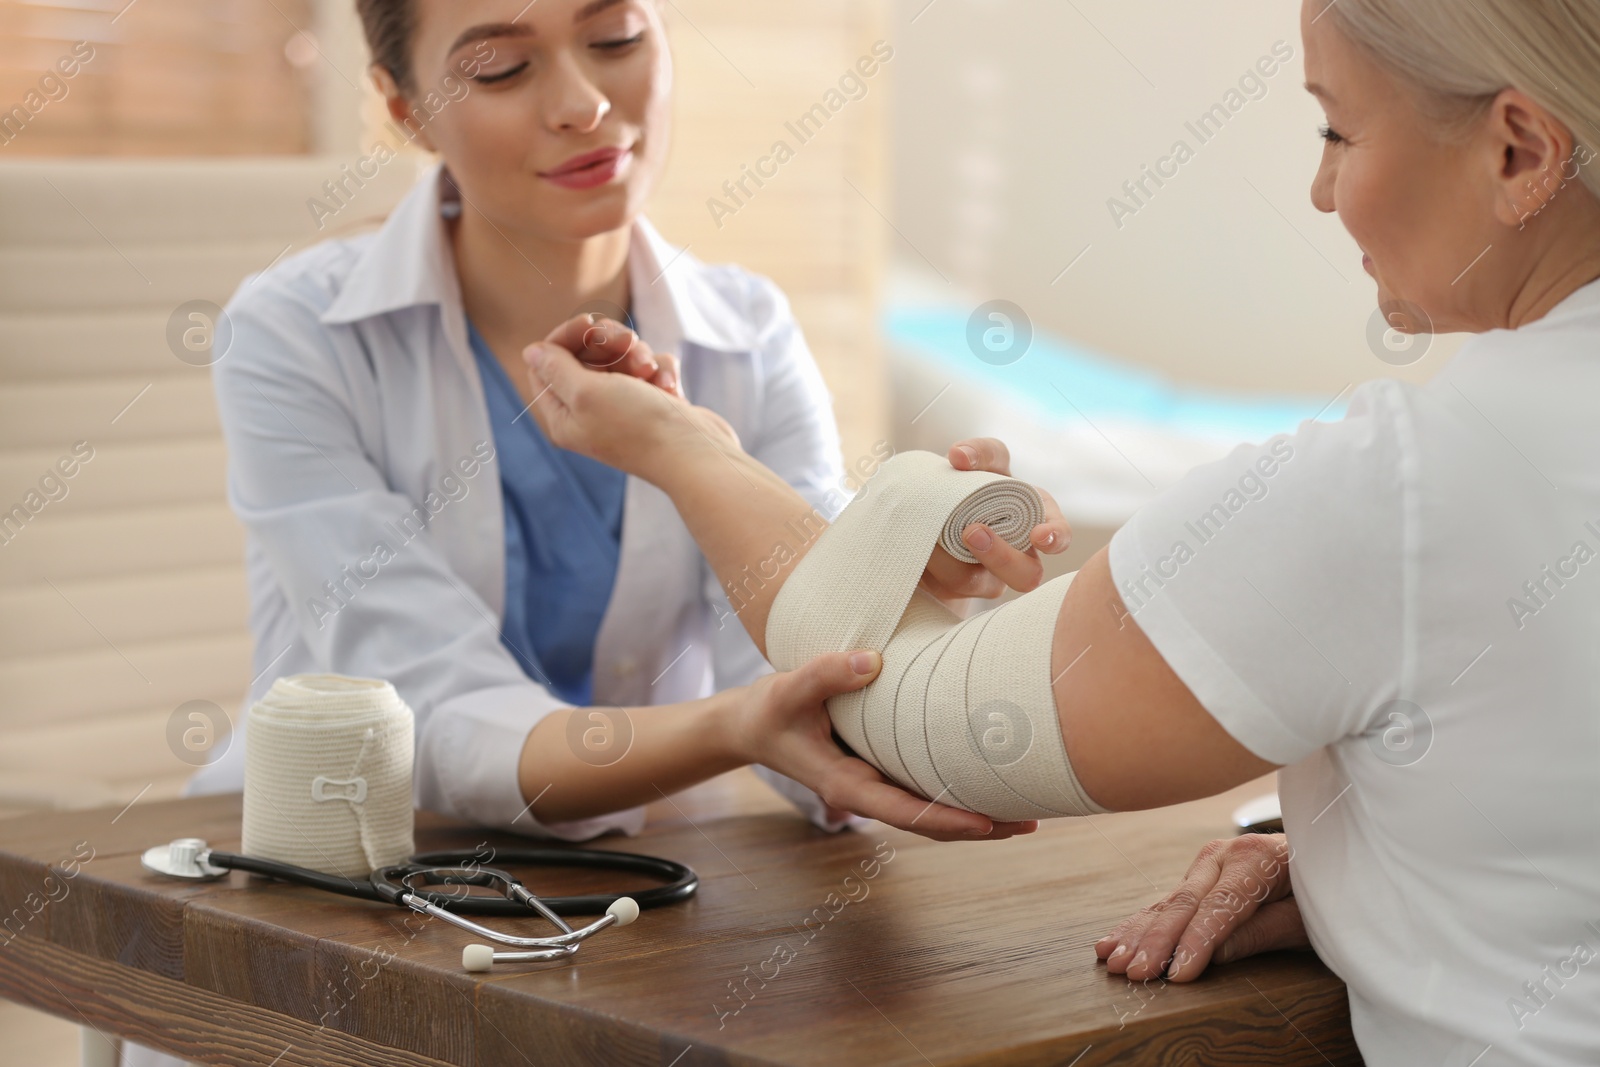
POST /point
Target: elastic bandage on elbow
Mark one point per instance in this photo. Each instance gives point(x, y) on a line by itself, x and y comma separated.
point(964, 711)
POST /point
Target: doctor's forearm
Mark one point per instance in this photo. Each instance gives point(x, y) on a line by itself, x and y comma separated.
point(581, 762)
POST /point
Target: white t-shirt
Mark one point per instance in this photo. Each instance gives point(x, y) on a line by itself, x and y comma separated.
point(1403, 607)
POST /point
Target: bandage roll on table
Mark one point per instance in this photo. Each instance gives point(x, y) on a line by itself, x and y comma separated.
point(963, 712)
point(328, 775)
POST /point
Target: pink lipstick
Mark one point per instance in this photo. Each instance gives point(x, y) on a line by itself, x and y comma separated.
point(591, 169)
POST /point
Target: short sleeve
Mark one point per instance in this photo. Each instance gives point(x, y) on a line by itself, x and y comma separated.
point(1275, 581)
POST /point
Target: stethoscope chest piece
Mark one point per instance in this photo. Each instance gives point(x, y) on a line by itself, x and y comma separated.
point(184, 858)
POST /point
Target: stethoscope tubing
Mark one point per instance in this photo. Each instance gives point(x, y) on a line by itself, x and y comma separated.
point(386, 884)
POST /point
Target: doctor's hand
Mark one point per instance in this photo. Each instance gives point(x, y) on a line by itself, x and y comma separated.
point(1236, 901)
point(780, 721)
point(620, 419)
point(999, 565)
point(605, 344)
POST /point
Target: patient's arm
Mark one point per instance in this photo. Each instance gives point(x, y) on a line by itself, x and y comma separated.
point(751, 525)
point(1136, 735)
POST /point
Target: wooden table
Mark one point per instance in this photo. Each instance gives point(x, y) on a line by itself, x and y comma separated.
point(947, 954)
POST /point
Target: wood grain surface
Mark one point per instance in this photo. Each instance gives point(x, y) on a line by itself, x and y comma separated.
point(802, 948)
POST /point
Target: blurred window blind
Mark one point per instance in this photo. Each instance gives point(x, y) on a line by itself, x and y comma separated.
point(156, 77)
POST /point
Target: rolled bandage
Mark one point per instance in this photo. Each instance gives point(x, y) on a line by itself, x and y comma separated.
point(327, 780)
point(964, 711)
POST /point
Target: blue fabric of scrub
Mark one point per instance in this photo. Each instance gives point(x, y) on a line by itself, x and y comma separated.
point(563, 540)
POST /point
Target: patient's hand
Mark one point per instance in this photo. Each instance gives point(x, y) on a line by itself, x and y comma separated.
point(1237, 900)
point(999, 565)
point(605, 344)
point(637, 421)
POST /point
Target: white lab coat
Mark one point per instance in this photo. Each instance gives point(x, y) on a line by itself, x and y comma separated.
point(350, 399)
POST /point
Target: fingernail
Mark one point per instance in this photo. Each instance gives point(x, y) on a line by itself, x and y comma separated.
point(980, 540)
point(1120, 950)
point(1049, 539)
point(1104, 940)
point(595, 317)
point(533, 354)
point(864, 662)
point(971, 454)
point(1138, 961)
point(979, 833)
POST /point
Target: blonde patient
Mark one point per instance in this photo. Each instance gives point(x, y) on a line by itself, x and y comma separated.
point(1379, 585)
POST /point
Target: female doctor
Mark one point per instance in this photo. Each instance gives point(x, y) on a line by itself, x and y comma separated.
point(407, 520)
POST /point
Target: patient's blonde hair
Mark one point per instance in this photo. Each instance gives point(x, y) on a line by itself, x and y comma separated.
point(1459, 55)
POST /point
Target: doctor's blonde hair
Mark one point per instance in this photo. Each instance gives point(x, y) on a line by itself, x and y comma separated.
point(1459, 56)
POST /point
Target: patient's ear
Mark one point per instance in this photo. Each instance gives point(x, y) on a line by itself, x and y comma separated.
point(1533, 153)
point(400, 107)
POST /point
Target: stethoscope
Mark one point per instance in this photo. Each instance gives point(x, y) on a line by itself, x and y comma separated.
point(405, 885)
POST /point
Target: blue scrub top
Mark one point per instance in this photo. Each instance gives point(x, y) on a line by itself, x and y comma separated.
point(563, 540)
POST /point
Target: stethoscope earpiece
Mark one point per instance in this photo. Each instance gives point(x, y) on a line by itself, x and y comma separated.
point(480, 958)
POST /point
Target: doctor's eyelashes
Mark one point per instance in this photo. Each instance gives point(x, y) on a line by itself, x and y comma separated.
point(619, 44)
point(501, 75)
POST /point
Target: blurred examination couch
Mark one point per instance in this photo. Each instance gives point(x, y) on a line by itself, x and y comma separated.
point(1102, 435)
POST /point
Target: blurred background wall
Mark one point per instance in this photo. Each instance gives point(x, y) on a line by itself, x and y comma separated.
point(1016, 122)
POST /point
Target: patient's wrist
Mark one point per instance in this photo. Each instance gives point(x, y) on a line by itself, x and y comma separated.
point(684, 444)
